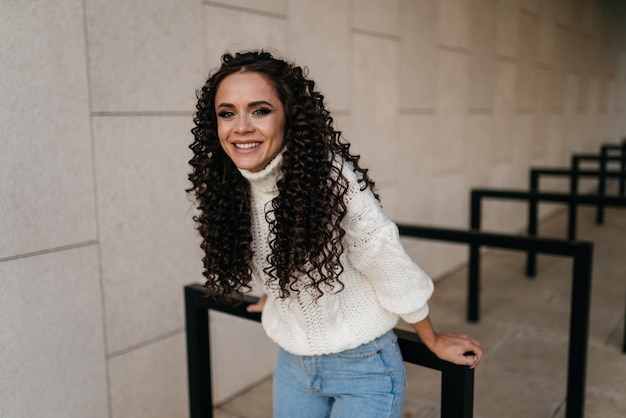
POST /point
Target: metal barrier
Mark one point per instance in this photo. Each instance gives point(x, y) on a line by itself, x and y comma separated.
point(582, 254)
point(533, 198)
point(573, 200)
point(574, 175)
point(457, 382)
point(603, 158)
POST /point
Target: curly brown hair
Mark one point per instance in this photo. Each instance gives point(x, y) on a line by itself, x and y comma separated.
point(304, 219)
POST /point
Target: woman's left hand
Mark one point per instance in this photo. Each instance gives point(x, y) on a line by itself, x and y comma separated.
point(458, 349)
point(455, 348)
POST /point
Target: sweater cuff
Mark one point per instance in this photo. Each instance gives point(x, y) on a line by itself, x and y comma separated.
point(416, 316)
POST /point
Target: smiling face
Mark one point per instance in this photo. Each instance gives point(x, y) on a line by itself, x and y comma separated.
point(250, 120)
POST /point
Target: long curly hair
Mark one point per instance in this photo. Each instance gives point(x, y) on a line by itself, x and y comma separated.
point(304, 219)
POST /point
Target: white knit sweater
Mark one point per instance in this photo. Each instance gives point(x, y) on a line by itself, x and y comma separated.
point(381, 282)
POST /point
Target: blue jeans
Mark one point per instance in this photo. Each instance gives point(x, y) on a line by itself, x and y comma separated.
point(365, 382)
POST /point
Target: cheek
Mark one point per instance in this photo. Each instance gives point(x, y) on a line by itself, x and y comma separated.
point(221, 132)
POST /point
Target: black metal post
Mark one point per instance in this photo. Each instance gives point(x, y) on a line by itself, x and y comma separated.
point(473, 283)
point(579, 333)
point(457, 382)
point(533, 220)
point(604, 153)
point(571, 207)
point(198, 357)
point(457, 392)
point(622, 180)
point(624, 334)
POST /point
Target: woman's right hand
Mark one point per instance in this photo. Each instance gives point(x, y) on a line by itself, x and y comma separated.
point(258, 307)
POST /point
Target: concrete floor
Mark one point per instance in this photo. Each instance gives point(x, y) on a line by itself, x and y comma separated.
point(524, 331)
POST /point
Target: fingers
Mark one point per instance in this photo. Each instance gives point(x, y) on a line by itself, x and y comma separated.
point(472, 360)
point(258, 307)
point(474, 353)
point(461, 350)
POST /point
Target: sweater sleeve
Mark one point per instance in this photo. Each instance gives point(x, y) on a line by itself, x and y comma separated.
point(373, 245)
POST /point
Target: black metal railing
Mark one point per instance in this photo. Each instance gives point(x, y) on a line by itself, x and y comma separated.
point(573, 175)
point(582, 255)
point(533, 198)
point(457, 382)
point(602, 159)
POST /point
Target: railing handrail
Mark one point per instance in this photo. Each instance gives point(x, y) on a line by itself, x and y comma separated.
point(457, 382)
point(554, 197)
point(582, 172)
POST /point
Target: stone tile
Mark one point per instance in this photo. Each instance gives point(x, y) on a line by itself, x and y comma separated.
point(374, 104)
point(606, 371)
point(325, 52)
point(254, 31)
point(478, 136)
point(45, 152)
point(563, 12)
point(451, 113)
point(150, 381)
point(547, 30)
point(531, 5)
point(149, 245)
point(443, 258)
point(559, 59)
point(220, 413)
point(423, 384)
point(507, 35)
point(52, 348)
point(414, 167)
point(502, 393)
point(504, 111)
point(254, 403)
point(533, 353)
point(616, 338)
point(451, 205)
point(145, 55)
point(380, 16)
point(266, 6)
point(526, 53)
point(418, 66)
point(539, 135)
point(482, 65)
point(454, 23)
point(235, 369)
point(414, 409)
point(597, 404)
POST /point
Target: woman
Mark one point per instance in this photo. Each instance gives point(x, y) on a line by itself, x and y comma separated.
point(283, 202)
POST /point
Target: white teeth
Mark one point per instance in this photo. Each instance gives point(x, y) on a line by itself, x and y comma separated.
point(248, 145)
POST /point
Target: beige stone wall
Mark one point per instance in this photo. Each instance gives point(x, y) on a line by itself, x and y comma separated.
point(96, 100)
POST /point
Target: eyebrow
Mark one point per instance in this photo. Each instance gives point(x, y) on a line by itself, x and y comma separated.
point(251, 104)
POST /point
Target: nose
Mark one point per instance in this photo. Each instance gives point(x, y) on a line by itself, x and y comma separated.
point(243, 124)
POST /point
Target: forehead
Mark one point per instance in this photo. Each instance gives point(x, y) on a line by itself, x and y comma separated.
point(245, 86)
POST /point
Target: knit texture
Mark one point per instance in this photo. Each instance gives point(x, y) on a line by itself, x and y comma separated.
point(382, 283)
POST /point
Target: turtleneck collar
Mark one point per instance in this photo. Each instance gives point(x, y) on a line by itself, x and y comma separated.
point(265, 180)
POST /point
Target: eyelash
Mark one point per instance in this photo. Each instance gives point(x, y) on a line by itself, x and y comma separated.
point(225, 114)
point(258, 112)
point(262, 111)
